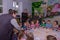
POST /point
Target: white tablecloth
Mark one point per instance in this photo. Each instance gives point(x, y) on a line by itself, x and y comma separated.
point(41, 33)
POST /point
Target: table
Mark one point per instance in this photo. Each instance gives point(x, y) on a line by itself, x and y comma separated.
point(41, 33)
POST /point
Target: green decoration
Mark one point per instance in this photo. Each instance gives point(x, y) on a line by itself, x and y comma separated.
point(36, 5)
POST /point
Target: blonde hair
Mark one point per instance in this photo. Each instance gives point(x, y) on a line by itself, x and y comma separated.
point(29, 36)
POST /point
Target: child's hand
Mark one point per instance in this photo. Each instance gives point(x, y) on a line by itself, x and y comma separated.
point(15, 30)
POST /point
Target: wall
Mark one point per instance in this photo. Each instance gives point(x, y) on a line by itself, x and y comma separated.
point(7, 4)
point(26, 4)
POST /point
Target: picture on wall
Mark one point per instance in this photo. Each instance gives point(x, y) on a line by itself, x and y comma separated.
point(39, 8)
point(50, 8)
point(36, 9)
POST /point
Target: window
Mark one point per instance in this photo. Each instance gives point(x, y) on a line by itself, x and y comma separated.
point(0, 2)
point(1, 8)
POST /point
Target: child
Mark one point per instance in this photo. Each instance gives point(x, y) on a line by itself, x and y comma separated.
point(25, 36)
point(28, 25)
point(22, 35)
point(50, 37)
point(30, 36)
point(20, 24)
point(43, 23)
point(24, 26)
point(37, 24)
point(15, 34)
point(48, 24)
point(32, 24)
point(40, 19)
point(55, 25)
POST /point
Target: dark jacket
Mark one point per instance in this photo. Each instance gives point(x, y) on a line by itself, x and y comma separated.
point(6, 27)
point(24, 17)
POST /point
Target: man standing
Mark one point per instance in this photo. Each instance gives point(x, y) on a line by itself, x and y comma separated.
point(24, 16)
point(7, 23)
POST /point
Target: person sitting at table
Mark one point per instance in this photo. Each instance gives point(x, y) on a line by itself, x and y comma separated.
point(55, 25)
point(15, 34)
point(43, 24)
point(20, 24)
point(50, 37)
point(25, 36)
point(37, 24)
point(30, 36)
point(40, 19)
point(48, 24)
point(24, 26)
point(21, 35)
point(28, 25)
point(32, 25)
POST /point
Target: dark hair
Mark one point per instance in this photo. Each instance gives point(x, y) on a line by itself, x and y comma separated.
point(36, 21)
point(10, 11)
point(14, 11)
point(43, 20)
point(50, 37)
point(48, 21)
point(56, 22)
point(59, 26)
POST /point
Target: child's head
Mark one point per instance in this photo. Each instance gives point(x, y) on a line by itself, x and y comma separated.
point(20, 24)
point(40, 16)
point(21, 34)
point(25, 23)
point(50, 37)
point(55, 23)
point(30, 36)
point(37, 21)
point(32, 22)
point(43, 21)
point(48, 21)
